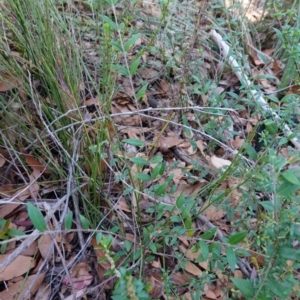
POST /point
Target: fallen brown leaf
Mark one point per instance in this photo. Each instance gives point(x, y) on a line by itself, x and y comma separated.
point(188, 253)
point(237, 142)
point(219, 163)
point(213, 214)
point(19, 266)
point(19, 289)
point(33, 163)
point(166, 143)
point(192, 269)
point(31, 250)
point(80, 276)
point(44, 244)
point(7, 209)
point(179, 278)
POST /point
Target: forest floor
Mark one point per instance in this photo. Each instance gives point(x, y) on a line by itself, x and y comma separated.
point(149, 150)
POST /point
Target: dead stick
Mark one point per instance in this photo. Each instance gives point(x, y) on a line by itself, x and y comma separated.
point(246, 82)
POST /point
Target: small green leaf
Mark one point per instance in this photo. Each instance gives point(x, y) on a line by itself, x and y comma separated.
point(84, 222)
point(98, 237)
point(175, 219)
point(194, 248)
point(245, 286)
point(283, 141)
point(290, 176)
point(3, 246)
point(163, 168)
point(215, 249)
point(289, 253)
point(155, 171)
point(186, 123)
point(134, 66)
point(267, 205)
point(121, 69)
point(15, 232)
point(153, 247)
point(188, 226)
point(139, 95)
point(137, 254)
point(231, 258)
point(140, 161)
point(134, 142)
point(127, 245)
point(209, 233)
point(287, 189)
point(94, 148)
point(180, 201)
point(158, 170)
point(69, 220)
point(173, 189)
point(204, 249)
point(4, 228)
point(236, 238)
point(280, 289)
point(143, 176)
point(156, 160)
point(116, 45)
point(271, 126)
point(107, 240)
point(36, 217)
point(146, 235)
point(273, 98)
point(111, 2)
point(2, 223)
point(110, 22)
point(161, 189)
point(131, 41)
point(250, 150)
point(186, 210)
